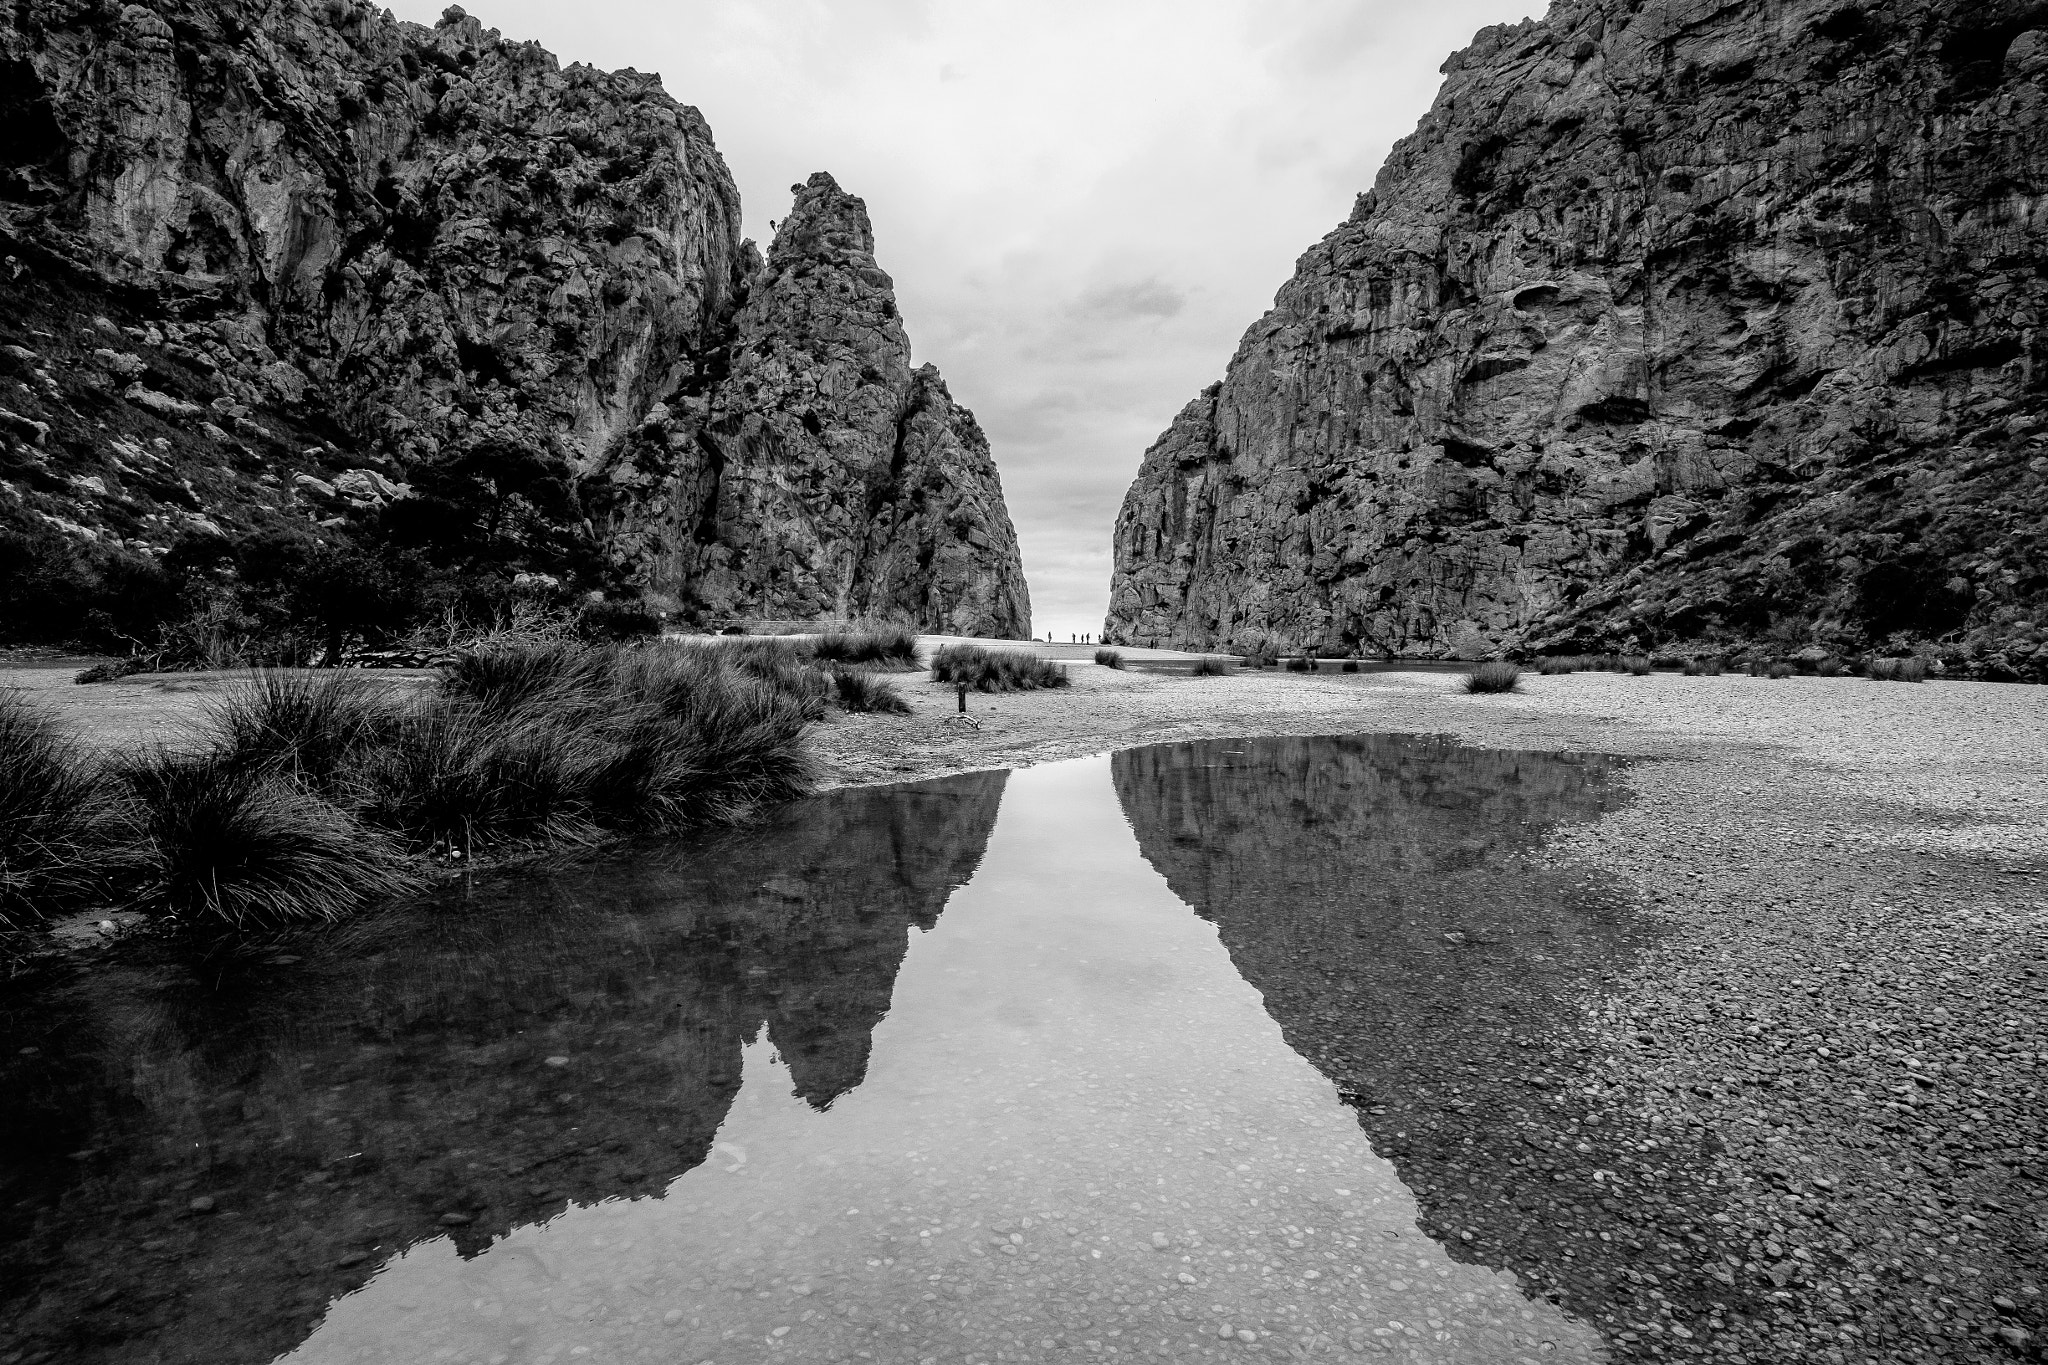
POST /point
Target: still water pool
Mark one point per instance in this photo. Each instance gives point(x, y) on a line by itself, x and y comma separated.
point(944, 1072)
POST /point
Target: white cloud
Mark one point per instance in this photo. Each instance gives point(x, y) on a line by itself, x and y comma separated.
point(1083, 203)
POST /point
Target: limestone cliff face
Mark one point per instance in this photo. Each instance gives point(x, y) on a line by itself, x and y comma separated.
point(1673, 323)
point(820, 475)
point(267, 261)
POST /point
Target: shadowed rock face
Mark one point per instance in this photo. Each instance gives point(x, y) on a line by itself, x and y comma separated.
point(823, 476)
point(272, 262)
point(1670, 323)
point(1386, 896)
point(342, 1106)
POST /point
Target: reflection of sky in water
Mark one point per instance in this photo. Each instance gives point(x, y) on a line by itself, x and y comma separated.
point(1080, 1136)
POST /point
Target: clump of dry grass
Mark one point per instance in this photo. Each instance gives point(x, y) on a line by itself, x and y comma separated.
point(888, 645)
point(239, 847)
point(1493, 676)
point(64, 835)
point(1208, 667)
point(1109, 658)
point(1779, 668)
point(996, 670)
point(866, 693)
point(1637, 666)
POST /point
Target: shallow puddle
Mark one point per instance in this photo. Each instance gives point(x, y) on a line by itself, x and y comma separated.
point(942, 1072)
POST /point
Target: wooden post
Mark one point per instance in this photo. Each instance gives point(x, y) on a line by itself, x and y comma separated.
point(963, 698)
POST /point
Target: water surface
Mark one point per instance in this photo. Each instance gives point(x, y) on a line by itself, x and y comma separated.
point(942, 1072)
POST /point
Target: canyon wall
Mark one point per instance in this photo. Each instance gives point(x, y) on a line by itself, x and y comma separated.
point(1674, 325)
point(270, 264)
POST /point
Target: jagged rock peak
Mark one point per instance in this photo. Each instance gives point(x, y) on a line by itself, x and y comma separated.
point(821, 477)
point(1672, 326)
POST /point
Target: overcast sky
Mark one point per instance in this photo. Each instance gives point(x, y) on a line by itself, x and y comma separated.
point(1084, 203)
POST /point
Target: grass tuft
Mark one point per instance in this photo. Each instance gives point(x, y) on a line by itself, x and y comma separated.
point(225, 845)
point(1208, 667)
point(1351, 665)
point(1494, 677)
point(62, 832)
point(865, 693)
point(1779, 668)
point(889, 646)
point(996, 670)
point(313, 727)
point(1552, 665)
point(1109, 658)
point(1637, 666)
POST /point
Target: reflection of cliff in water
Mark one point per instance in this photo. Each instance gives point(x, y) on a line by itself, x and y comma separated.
point(1376, 889)
point(463, 1069)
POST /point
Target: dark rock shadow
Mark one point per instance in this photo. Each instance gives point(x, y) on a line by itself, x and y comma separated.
point(460, 1068)
point(1379, 890)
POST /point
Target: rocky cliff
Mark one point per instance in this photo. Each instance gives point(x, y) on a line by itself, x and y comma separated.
point(1674, 325)
point(269, 264)
point(823, 474)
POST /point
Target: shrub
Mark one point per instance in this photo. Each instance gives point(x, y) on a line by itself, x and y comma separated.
point(1829, 668)
point(1351, 665)
point(1692, 668)
point(1208, 667)
point(1711, 667)
point(1109, 658)
point(864, 692)
point(1637, 666)
point(1779, 668)
point(61, 830)
point(1494, 677)
point(1260, 654)
point(108, 672)
point(238, 847)
point(887, 646)
point(995, 670)
point(617, 621)
point(1299, 664)
point(1551, 665)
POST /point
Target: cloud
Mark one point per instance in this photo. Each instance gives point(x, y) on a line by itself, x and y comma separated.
point(1083, 205)
point(1138, 299)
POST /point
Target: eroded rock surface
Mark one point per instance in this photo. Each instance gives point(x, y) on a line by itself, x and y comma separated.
point(822, 475)
point(249, 242)
point(1672, 324)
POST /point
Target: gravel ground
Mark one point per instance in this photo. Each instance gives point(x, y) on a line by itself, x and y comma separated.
point(1803, 1118)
